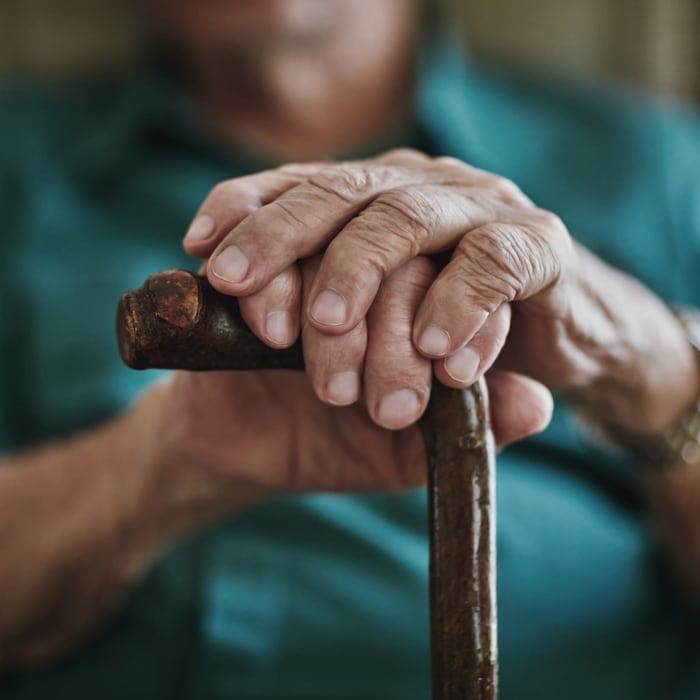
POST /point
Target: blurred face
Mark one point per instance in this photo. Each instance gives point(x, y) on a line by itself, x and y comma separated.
point(202, 25)
point(299, 71)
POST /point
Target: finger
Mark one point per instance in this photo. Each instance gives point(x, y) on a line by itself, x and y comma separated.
point(273, 313)
point(405, 157)
point(233, 200)
point(333, 363)
point(396, 377)
point(469, 363)
point(398, 225)
point(297, 224)
point(493, 265)
point(519, 406)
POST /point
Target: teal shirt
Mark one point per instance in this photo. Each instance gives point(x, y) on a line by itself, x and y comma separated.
point(324, 597)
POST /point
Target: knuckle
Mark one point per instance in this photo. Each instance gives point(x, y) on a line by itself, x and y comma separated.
point(508, 191)
point(454, 166)
point(285, 212)
point(479, 205)
point(553, 235)
point(369, 254)
point(348, 182)
point(223, 191)
point(409, 215)
point(521, 258)
point(234, 192)
point(449, 161)
point(495, 257)
point(550, 221)
point(406, 154)
point(297, 169)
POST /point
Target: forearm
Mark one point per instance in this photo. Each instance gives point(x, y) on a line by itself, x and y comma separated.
point(645, 378)
point(80, 521)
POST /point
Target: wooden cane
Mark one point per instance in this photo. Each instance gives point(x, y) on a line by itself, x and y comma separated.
point(176, 320)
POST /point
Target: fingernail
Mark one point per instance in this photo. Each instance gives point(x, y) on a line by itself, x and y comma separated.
point(329, 308)
point(343, 388)
point(463, 365)
point(399, 408)
point(200, 229)
point(231, 265)
point(434, 341)
point(278, 327)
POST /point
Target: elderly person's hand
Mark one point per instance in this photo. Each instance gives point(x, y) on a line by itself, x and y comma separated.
point(371, 218)
point(316, 246)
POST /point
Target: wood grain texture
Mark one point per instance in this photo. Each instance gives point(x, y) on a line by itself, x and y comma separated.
point(462, 544)
point(177, 321)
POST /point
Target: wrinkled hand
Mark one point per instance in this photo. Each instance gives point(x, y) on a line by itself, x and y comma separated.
point(355, 227)
point(270, 431)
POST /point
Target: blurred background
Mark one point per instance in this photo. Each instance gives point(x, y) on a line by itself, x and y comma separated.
point(650, 44)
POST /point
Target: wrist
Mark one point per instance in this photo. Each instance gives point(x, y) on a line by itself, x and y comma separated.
point(175, 494)
point(648, 396)
point(88, 516)
point(645, 374)
point(675, 439)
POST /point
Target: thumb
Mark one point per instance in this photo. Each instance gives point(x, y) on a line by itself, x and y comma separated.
point(520, 406)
